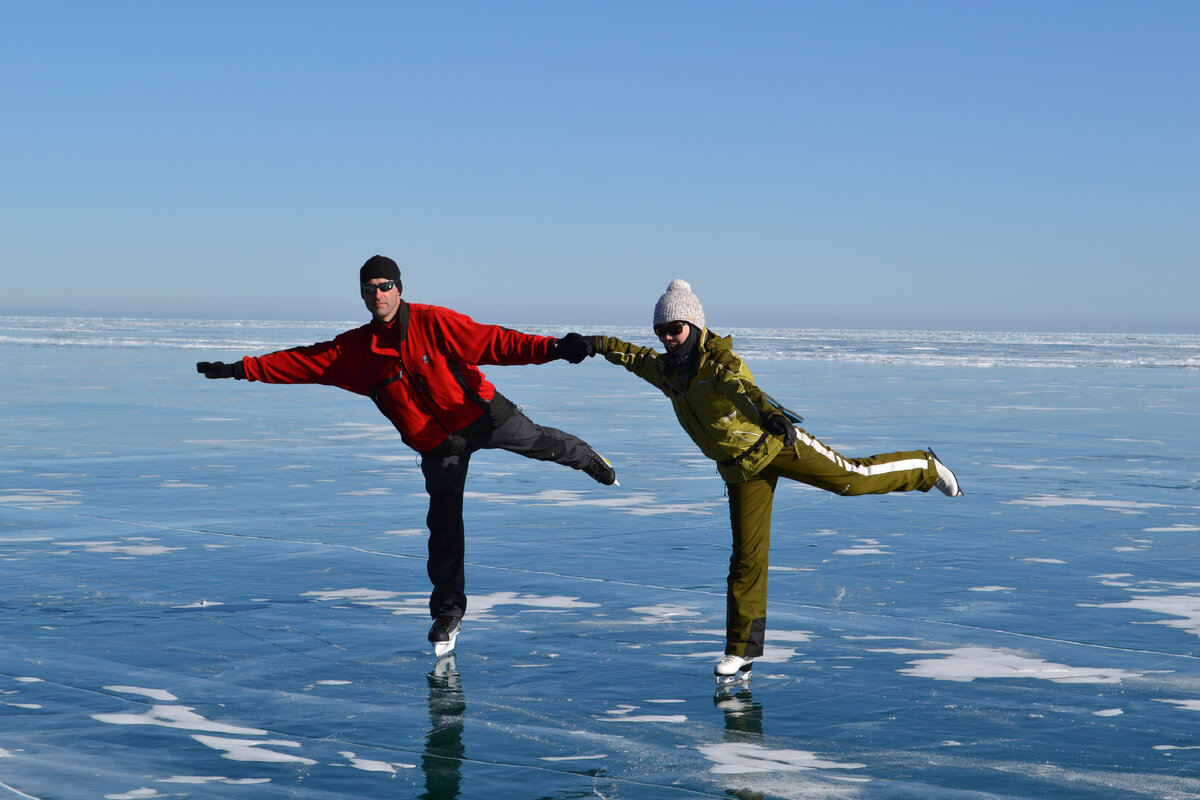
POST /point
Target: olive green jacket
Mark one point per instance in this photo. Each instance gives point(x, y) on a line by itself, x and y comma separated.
point(720, 407)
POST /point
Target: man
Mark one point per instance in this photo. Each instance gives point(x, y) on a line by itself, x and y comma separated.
point(755, 443)
point(418, 364)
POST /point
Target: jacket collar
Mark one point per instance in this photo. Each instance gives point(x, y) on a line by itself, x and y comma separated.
point(386, 337)
point(686, 358)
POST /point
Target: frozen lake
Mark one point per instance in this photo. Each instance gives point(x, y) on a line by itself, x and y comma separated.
point(216, 589)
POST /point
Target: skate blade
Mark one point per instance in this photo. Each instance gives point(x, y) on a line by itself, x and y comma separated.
point(443, 649)
point(739, 677)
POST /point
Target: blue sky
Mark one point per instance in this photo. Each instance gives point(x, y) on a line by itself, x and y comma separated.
point(976, 165)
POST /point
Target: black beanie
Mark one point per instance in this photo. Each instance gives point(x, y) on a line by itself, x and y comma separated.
point(379, 267)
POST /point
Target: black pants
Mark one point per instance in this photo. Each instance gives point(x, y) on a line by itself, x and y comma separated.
point(445, 470)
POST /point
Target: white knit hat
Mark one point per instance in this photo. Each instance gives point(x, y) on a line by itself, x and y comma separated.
point(679, 305)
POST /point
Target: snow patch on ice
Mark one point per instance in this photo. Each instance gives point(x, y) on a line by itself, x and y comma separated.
point(482, 604)
point(370, 765)
point(137, 794)
point(965, 664)
point(252, 749)
point(1185, 607)
point(1189, 705)
point(183, 717)
point(39, 498)
point(746, 757)
point(1028, 467)
point(130, 546)
point(664, 612)
point(644, 504)
point(1110, 504)
point(153, 694)
point(202, 779)
point(417, 604)
point(625, 716)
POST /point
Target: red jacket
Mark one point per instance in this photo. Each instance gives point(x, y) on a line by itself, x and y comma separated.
point(419, 368)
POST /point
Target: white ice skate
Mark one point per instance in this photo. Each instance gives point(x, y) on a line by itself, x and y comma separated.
point(733, 669)
point(444, 634)
point(947, 482)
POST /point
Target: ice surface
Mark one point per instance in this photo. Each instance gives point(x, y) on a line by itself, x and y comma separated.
point(216, 589)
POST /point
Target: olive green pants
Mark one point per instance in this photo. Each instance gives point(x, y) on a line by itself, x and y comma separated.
point(816, 464)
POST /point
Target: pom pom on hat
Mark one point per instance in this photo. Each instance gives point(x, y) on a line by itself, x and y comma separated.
point(679, 304)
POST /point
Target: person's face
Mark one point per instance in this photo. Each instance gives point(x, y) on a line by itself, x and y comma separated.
point(672, 334)
point(382, 304)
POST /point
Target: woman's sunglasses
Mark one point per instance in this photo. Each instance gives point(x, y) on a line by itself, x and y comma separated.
point(668, 329)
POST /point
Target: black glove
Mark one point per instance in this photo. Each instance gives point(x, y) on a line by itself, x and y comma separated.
point(219, 369)
point(779, 425)
point(574, 348)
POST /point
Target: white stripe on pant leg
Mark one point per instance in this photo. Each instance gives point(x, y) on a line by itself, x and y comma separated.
point(877, 469)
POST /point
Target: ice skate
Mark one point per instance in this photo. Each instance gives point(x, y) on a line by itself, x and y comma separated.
point(947, 483)
point(443, 634)
point(733, 669)
point(599, 468)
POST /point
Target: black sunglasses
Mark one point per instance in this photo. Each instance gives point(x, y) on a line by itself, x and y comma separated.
point(369, 289)
point(668, 329)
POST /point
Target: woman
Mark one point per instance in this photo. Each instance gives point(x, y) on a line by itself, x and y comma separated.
point(755, 443)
